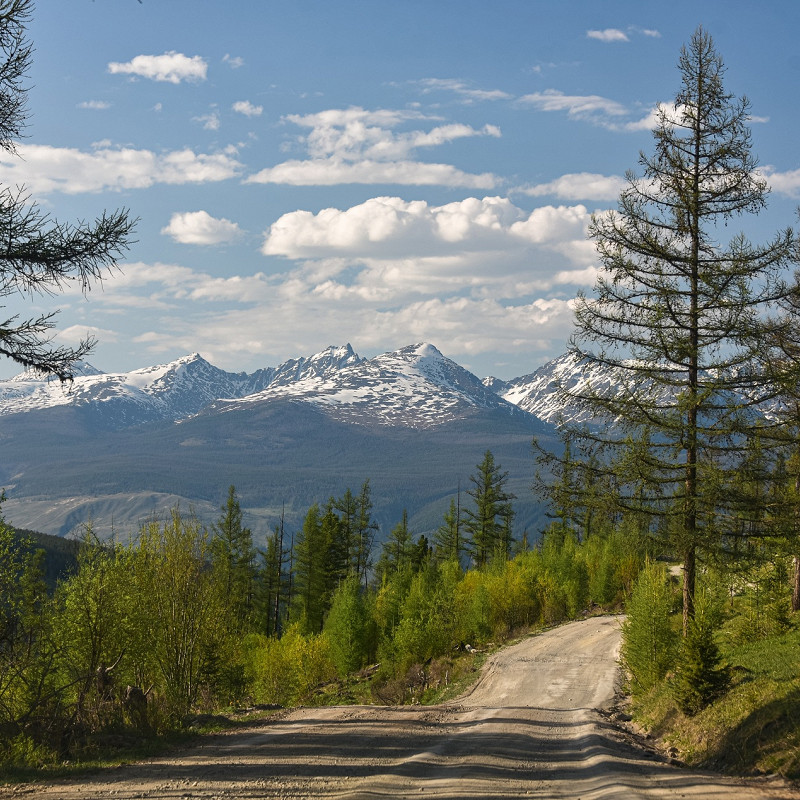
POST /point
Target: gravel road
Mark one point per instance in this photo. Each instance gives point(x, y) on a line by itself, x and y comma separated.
point(528, 728)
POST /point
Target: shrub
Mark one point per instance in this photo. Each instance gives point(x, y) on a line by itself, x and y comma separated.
point(649, 639)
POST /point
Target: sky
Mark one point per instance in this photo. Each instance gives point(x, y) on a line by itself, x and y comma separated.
point(311, 173)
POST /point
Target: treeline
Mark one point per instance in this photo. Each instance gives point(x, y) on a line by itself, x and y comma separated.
point(180, 619)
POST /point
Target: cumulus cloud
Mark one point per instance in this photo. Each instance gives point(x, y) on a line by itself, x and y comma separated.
point(356, 133)
point(608, 35)
point(390, 227)
point(247, 108)
point(171, 67)
point(45, 169)
point(580, 186)
point(785, 183)
point(355, 145)
point(199, 227)
point(473, 276)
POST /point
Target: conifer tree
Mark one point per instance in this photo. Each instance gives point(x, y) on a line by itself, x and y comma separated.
point(489, 522)
point(397, 550)
point(273, 595)
point(233, 557)
point(678, 316)
point(363, 535)
point(38, 255)
point(448, 542)
point(310, 575)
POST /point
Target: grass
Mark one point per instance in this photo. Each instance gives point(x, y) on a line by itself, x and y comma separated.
point(108, 749)
point(754, 728)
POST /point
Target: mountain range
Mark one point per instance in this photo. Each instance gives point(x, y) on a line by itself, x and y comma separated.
point(117, 448)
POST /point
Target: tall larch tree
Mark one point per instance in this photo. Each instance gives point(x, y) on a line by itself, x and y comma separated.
point(677, 314)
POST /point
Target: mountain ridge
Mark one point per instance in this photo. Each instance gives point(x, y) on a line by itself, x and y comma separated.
point(117, 448)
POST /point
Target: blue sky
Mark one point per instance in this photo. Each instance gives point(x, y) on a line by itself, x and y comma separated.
point(379, 173)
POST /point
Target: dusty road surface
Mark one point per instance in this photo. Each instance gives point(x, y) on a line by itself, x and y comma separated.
point(529, 728)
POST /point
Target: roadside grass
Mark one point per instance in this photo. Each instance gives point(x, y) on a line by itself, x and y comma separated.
point(754, 728)
point(109, 749)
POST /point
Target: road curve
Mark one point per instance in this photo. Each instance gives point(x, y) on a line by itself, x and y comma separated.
point(529, 728)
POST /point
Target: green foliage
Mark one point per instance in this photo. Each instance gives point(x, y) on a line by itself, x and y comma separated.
point(180, 610)
point(350, 627)
point(701, 675)
point(233, 558)
point(565, 570)
point(93, 622)
point(488, 524)
point(26, 646)
point(287, 670)
point(649, 638)
point(448, 541)
point(427, 620)
point(163, 614)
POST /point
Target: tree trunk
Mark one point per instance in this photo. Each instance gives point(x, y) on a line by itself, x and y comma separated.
point(688, 587)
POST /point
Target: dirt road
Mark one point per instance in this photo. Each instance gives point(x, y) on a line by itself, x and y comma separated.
point(527, 729)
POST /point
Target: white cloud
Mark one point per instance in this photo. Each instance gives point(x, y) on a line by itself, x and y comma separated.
point(358, 146)
point(473, 276)
point(389, 227)
point(95, 105)
point(595, 109)
point(234, 62)
point(199, 227)
point(463, 89)
point(356, 133)
point(651, 32)
point(44, 169)
point(578, 106)
point(247, 108)
point(785, 183)
point(75, 334)
point(333, 172)
point(171, 67)
point(210, 121)
point(608, 35)
point(580, 186)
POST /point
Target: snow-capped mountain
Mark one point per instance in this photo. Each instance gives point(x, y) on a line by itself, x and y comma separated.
point(537, 393)
point(414, 387)
point(118, 448)
point(172, 391)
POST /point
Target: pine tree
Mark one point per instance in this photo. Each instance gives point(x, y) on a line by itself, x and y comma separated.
point(363, 535)
point(310, 574)
point(448, 542)
point(397, 551)
point(233, 557)
point(678, 317)
point(489, 522)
